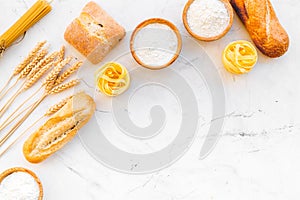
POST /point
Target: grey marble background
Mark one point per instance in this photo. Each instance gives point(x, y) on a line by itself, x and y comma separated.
point(257, 156)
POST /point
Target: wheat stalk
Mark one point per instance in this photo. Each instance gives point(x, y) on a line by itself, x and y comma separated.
point(32, 64)
point(33, 71)
point(55, 90)
point(40, 69)
point(37, 76)
point(42, 66)
point(50, 80)
point(52, 76)
point(71, 70)
point(10, 101)
point(9, 89)
point(51, 88)
point(19, 137)
point(28, 83)
point(46, 60)
point(21, 66)
point(62, 53)
point(63, 87)
point(20, 122)
point(55, 108)
point(25, 87)
point(4, 86)
point(28, 59)
point(15, 115)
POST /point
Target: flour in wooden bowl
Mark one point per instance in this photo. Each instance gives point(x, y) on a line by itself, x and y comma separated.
point(208, 18)
point(19, 186)
point(156, 43)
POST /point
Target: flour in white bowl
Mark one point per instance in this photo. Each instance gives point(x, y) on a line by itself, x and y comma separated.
point(208, 18)
point(19, 186)
point(155, 44)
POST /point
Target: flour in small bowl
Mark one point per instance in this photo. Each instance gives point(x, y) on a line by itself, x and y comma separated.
point(155, 44)
point(208, 18)
point(19, 186)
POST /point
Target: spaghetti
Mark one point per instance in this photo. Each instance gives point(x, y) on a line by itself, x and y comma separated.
point(32, 16)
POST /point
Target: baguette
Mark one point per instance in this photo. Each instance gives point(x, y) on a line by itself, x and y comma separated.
point(94, 33)
point(263, 26)
point(59, 129)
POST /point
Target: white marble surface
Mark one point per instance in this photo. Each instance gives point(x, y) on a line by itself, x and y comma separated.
point(256, 157)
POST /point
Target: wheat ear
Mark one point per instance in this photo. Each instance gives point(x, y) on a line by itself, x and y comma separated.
point(66, 74)
point(61, 55)
point(63, 87)
point(28, 59)
point(62, 52)
point(36, 73)
point(27, 85)
point(22, 65)
point(46, 60)
point(55, 108)
point(52, 76)
point(46, 63)
point(32, 64)
point(53, 90)
point(37, 76)
point(23, 74)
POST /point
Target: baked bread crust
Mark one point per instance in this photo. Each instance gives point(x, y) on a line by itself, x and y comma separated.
point(264, 28)
point(94, 33)
point(59, 129)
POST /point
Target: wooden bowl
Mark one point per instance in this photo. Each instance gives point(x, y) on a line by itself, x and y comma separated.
point(8, 172)
point(207, 39)
point(154, 21)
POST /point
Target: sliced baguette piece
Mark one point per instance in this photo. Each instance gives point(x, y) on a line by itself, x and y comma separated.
point(60, 128)
point(94, 33)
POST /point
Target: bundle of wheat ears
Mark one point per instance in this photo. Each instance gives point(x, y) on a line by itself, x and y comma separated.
point(29, 72)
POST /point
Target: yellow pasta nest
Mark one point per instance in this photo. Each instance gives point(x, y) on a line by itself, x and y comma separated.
point(112, 79)
point(239, 57)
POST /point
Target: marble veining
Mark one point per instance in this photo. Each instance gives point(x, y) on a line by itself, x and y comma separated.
point(257, 156)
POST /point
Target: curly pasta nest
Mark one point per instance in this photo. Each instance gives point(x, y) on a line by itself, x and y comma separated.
point(239, 57)
point(112, 79)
